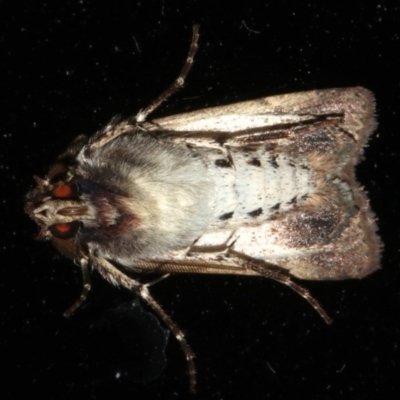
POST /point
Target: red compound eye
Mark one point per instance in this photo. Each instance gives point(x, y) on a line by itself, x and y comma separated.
point(63, 192)
point(64, 230)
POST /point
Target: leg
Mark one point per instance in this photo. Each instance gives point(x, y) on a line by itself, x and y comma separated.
point(281, 276)
point(116, 128)
point(177, 332)
point(85, 290)
point(178, 83)
point(118, 278)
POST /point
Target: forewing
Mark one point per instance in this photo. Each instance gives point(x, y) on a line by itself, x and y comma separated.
point(270, 118)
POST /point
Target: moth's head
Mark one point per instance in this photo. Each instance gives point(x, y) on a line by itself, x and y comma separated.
point(55, 205)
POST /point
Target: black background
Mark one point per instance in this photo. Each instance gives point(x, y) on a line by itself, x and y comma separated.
point(68, 67)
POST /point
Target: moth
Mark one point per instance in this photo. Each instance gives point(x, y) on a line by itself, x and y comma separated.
point(259, 188)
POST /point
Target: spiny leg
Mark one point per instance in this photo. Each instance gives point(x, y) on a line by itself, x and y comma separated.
point(118, 278)
point(272, 272)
